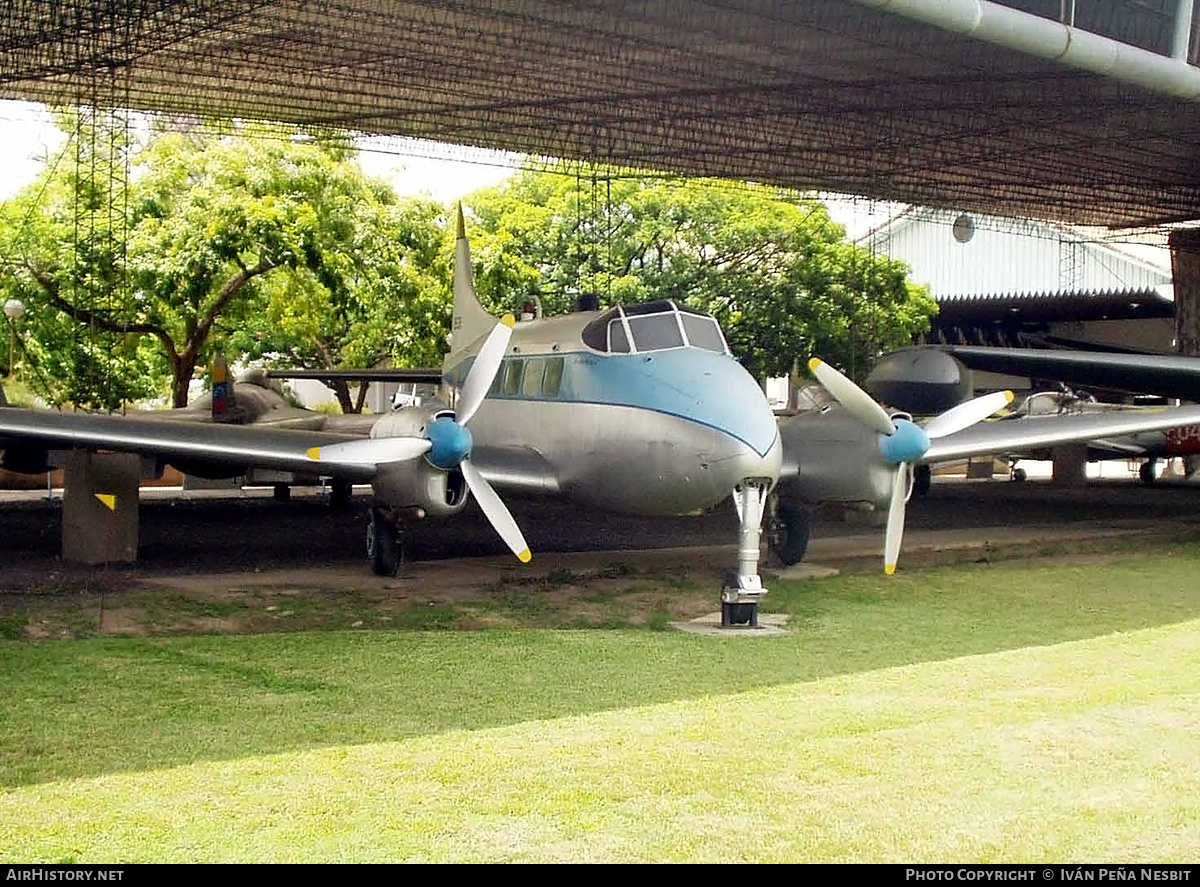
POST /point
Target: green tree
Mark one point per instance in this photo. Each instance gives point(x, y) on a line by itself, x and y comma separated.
point(773, 268)
point(239, 238)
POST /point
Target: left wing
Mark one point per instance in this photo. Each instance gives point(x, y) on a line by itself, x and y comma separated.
point(170, 440)
point(1029, 434)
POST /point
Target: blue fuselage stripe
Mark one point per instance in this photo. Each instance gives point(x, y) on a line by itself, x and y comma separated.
point(704, 387)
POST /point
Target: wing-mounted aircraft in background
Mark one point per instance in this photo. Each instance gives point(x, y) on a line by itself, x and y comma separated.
point(914, 377)
point(855, 452)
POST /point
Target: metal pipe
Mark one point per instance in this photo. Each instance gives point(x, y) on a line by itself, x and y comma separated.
point(1048, 39)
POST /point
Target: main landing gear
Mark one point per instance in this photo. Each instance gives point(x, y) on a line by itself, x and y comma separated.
point(384, 549)
point(788, 529)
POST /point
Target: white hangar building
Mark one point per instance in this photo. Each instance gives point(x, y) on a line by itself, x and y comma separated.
point(1014, 282)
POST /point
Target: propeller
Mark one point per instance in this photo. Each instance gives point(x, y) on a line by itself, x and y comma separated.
point(447, 442)
point(902, 442)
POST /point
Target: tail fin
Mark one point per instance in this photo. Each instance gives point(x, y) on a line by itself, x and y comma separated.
point(470, 322)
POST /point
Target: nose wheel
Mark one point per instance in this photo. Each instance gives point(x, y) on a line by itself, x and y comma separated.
point(743, 589)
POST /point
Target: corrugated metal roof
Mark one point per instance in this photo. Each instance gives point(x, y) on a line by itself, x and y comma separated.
point(961, 255)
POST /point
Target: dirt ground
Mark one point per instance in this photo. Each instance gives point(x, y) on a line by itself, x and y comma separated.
point(252, 564)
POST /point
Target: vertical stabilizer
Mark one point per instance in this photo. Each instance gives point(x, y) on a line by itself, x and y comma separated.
point(470, 322)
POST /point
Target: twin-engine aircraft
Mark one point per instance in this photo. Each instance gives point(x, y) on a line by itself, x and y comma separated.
point(638, 409)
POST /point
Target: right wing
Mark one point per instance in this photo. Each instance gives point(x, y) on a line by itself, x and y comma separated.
point(168, 440)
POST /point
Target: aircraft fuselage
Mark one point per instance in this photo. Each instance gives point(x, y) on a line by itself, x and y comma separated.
point(656, 431)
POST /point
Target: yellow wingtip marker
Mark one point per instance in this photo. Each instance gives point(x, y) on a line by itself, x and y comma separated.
point(889, 569)
point(508, 320)
point(314, 453)
point(108, 499)
point(814, 363)
point(525, 557)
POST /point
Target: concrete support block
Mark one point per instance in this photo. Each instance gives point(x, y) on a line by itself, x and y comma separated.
point(92, 531)
point(192, 482)
point(1070, 465)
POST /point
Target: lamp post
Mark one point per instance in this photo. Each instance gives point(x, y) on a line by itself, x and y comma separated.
point(13, 309)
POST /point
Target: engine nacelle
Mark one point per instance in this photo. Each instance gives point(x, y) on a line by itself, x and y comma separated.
point(832, 457)
point(415, 485)
point(920, 381)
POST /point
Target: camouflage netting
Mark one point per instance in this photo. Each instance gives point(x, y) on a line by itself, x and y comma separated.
point(805, 94)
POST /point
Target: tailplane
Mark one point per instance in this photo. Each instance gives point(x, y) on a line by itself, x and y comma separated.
point(470, 322)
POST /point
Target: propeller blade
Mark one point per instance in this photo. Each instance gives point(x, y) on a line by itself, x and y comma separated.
point(372, 450)
point(495, 511)
point(860, 404)
point(483, 371)
point(967, 414)
point(895, 519)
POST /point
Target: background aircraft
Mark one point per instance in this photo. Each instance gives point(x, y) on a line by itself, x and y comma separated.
point(856, 453)
point(929, 377)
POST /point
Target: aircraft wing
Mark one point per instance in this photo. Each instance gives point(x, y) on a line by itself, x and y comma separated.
point(1005, 436)
point(170, 440)
point(517, 469)
point(1168, 375)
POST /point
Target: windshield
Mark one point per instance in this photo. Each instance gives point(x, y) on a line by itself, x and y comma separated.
point(654, 326)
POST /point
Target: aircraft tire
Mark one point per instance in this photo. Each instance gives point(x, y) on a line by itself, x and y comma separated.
point(788, 531)
point(922, 480)
point(1146, 474)
point(281, 492)
point(383, 544)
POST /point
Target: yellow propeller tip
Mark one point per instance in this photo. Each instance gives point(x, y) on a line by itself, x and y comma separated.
point(814, 363)
point(314, 453)
point(508, 320)
point(461, 233)
point(525, 557)
point(889, 569)
point(1009, 395)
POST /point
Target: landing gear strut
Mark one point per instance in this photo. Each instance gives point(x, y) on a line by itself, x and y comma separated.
point(384, 551)
point(744, 589)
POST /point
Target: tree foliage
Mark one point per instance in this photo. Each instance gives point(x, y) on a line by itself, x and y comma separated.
point(245, 240)
point(773, 268)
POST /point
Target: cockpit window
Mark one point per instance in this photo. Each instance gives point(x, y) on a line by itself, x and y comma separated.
point(653, 326)
point(656, 332)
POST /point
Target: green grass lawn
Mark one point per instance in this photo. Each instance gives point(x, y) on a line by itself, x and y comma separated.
point(996, 712)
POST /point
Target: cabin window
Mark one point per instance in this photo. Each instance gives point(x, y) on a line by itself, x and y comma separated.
point(513, 370)
point(552, 380)
point(531, 384)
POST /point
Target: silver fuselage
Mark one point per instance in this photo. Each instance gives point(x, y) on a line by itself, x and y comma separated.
point(664, 432)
